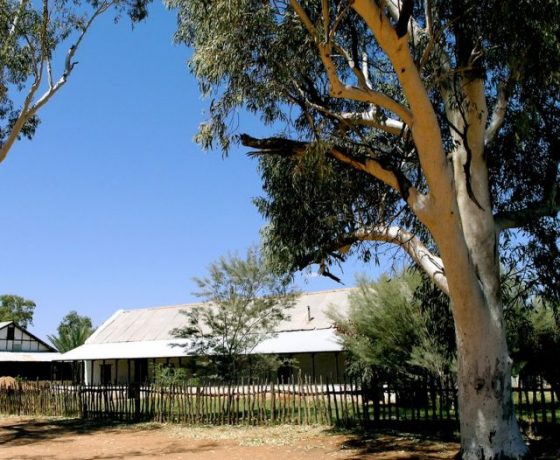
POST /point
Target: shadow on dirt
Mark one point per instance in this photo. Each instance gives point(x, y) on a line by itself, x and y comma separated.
point(28, 431)
point(545, 443)
point(425, 442)
point(405, 442)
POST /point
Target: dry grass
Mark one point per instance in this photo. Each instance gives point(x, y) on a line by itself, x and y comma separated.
point(277, 435)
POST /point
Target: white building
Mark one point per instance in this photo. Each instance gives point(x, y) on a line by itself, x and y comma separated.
point(122, 349)
point(24, 355)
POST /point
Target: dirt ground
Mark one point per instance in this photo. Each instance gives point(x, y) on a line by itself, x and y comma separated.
point(34, 439)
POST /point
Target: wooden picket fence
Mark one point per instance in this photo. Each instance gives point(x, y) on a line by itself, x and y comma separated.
point(296, 401)
point(537, 404)
point(40, 398)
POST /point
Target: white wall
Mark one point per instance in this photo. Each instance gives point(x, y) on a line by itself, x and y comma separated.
point(22, 341)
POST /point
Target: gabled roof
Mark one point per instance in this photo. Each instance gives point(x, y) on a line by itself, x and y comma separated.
point(154, 324)
point(52, 349)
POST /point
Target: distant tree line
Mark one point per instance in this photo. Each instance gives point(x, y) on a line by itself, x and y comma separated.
point(72, 331)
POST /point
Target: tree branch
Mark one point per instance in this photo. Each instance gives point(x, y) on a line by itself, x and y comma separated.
point(389, 125)
point(401, 11)
point(369, 118)
point(376, 168)
point(422, 256)
point(353, 65)
point(498, 115)
point(404, 17)
point(514, 219)
point(29, 109)
point(424, 124)
point(13, 27)
point(411, 244)
point(69, 63)
point(341, 90)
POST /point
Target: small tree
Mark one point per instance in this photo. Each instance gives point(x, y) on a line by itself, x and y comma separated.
point(17, 309)
point(73, 331)
point(387, 333)
point(245, 302)
point(33, 36)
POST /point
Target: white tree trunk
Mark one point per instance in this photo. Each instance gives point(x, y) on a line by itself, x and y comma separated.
point(488, 425)
point(489, 429)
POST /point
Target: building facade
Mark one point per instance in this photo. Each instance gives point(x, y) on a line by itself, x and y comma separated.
point(26, 356)
point(131, 343)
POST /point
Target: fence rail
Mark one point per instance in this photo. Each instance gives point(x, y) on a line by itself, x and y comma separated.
point(298, 401)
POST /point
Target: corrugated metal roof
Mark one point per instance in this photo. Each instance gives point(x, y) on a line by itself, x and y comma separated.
point(313, 341)
point(128, 350)
point(29, 357)
point(284, 342)
point(156, 324)
point(316, 317)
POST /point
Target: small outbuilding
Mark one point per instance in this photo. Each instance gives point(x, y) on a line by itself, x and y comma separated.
point(126, 347)
point(26, 356)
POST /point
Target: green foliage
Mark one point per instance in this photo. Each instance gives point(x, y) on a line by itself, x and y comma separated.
point(17, 309)
point(534, 337)
point(257, 56)
point(167, 376)
point(388, 335)
point(73, 331)
point(245, 302)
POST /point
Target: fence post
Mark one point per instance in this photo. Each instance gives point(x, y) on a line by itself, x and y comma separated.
point(83, 402)
point(272, 402)
point(552, 405)
point(134, 392)
point(543, 401)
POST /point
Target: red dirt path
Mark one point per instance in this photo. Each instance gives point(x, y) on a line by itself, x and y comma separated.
point(49, 439)
point(25, 438)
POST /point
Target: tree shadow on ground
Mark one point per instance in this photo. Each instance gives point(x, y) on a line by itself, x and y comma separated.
point(148, 454)
point(544, 442)
point(409, 442)
point(28, 431)
point(414, 442)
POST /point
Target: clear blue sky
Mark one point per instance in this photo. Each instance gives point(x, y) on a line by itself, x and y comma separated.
point(112, 205)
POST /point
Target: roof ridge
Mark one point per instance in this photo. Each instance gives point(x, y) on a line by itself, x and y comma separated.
point(163, 307)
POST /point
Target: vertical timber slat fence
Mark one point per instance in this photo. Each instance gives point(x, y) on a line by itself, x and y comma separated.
point(300, 401)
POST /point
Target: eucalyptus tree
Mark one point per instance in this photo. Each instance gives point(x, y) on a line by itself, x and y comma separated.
point(39, 42)
point(431, 126)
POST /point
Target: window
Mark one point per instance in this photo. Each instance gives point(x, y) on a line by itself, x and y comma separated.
point(16, 347)
point(11, 332)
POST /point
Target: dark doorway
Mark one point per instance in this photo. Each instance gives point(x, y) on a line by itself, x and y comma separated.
point(105, 374)
point(140, 370)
